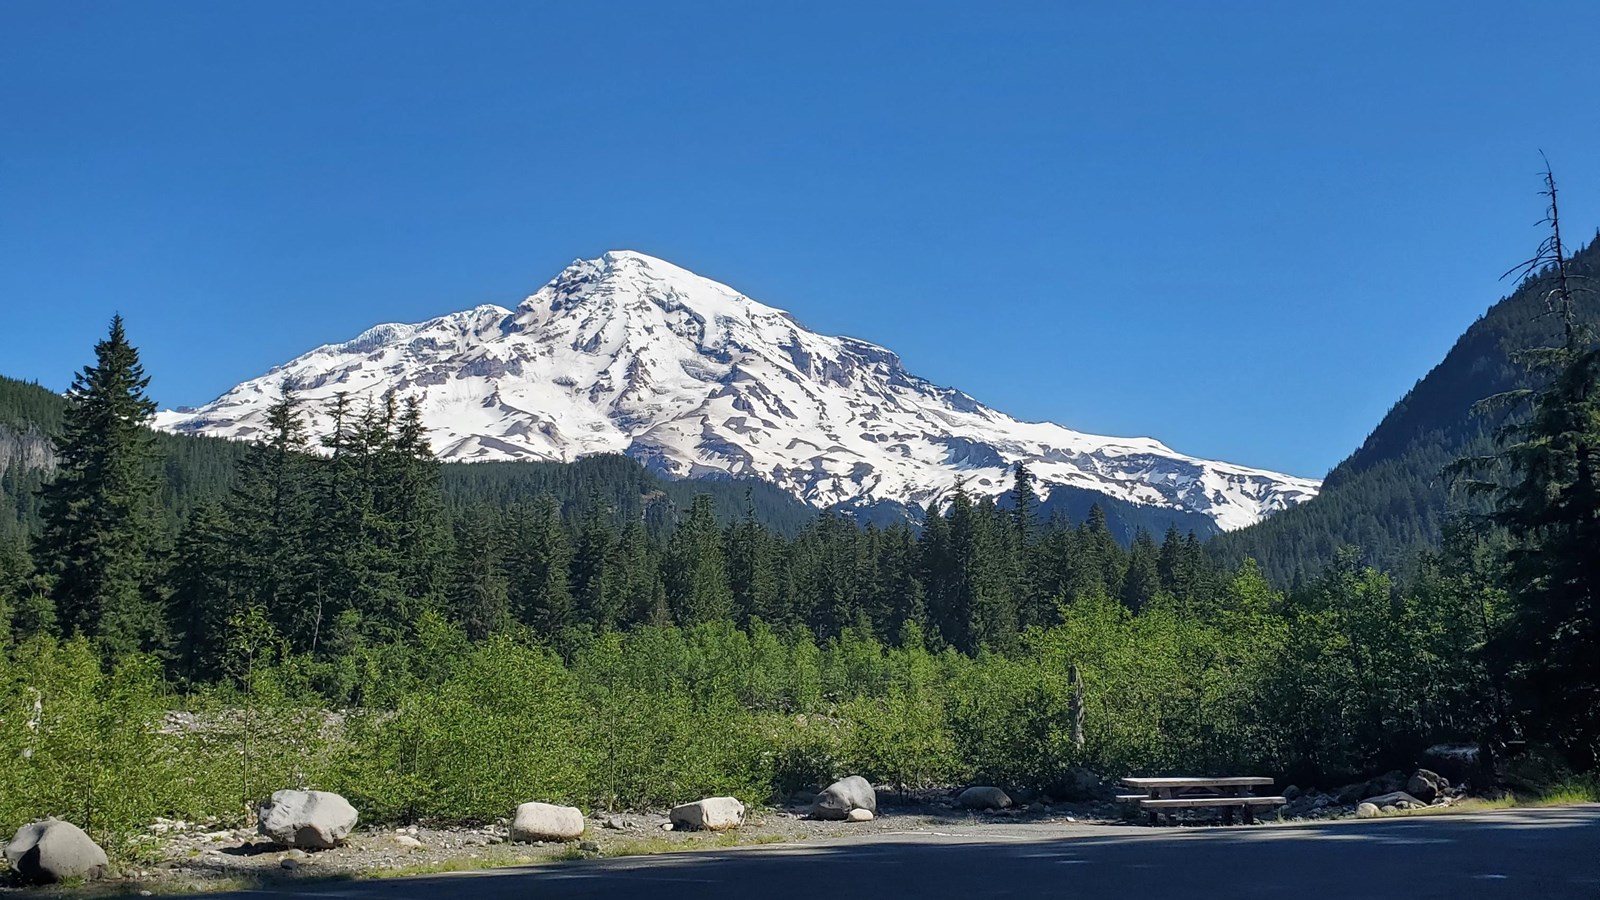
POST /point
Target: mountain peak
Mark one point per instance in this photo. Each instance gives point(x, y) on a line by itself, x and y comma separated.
point(627, 353)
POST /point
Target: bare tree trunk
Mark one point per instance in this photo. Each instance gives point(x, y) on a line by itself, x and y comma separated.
point(1076, 707)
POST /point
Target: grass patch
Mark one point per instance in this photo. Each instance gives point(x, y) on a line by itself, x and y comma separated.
point(1568, 792)
point(655, 845)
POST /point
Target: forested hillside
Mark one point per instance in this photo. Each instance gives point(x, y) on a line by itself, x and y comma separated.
point(197, 468)
point(1390, 498)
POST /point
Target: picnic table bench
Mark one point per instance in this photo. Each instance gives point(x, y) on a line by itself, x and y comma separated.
point(1168, 795)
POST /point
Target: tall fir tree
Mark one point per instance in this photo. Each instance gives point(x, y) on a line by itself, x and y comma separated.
point(696, 569)
point(101, 512)
point(538, 560)
point(479, 593)
point(269, 518)
point(206, 592)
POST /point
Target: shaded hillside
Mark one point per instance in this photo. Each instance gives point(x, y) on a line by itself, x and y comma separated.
point(1390, 497)
point(623, 486)
point(194, 468)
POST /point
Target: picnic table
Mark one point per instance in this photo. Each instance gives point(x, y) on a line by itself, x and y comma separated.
point(1168, 795)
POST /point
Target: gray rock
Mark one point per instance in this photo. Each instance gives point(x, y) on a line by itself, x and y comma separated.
point(1426, 785)
point(1291, 793)
point(844, 795)
point(860, 815)
point(710, 814)
point(53, 850)
point(1367, 811)
point(546, 822)
point(984, 798)
point(314, 820)
point(589, 847)
point(1398, 799)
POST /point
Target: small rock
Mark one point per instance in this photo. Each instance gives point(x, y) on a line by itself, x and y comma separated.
point(666, 826)
point(289, 863)
point(1367, 811)
point(407, 841)
point(589, 847)
point(859, 815)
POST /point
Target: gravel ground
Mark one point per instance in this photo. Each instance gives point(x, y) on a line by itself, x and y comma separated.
point(180, 857)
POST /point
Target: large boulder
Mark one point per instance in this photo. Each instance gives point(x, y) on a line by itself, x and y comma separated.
point(308, 820)
point(53, 850)
point(844, 795)
point(1427, 786)
point(710, 814)
point(1456, 762)
point(546, 822)
point(984, 798)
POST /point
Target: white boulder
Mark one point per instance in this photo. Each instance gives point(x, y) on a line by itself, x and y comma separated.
point(53, 850)
point(710, 814)
point(546, 822)
point(311, 820)
point(859, 815)
point(844, 795)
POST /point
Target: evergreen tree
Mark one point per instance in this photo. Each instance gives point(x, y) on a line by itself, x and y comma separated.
point(752, 571)
point(100, 511)
point(479, 594)
point(1142, 581)
point(538, 569)
point(696, 572)
point(1548, 502)
point(205, 594)
point(269, 514)
point(598, 580)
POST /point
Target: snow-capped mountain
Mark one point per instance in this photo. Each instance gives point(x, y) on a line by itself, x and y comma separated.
point(631, 354)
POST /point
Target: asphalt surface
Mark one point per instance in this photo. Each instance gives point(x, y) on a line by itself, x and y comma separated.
point(1540, 853)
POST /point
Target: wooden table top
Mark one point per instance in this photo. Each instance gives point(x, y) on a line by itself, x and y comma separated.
point(1183, 782)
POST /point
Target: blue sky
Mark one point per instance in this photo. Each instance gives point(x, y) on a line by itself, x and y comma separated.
point(1245, 229)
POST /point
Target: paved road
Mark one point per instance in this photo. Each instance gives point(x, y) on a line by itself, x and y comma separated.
point(1546, 853)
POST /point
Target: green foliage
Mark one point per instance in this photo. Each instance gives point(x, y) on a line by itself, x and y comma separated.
point(100, 509)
